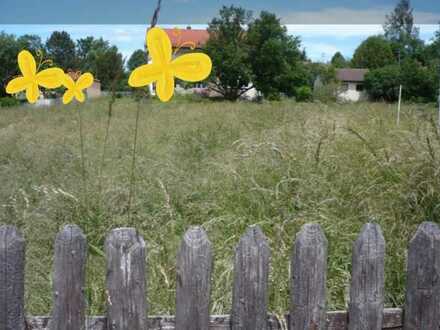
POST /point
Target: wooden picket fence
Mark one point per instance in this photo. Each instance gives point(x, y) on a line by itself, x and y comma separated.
point(126, 284)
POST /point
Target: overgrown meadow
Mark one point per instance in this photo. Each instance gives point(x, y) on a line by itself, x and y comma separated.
point(223, 166)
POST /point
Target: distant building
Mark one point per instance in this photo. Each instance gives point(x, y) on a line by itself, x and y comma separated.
point(93, 91)
point(352, 84)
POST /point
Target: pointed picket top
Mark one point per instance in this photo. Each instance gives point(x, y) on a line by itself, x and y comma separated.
point(423, 284)
point(367, 280)
point(251, 274)
point(309, 274)
point(12, 261)
point(193, 283)
point(69, 276)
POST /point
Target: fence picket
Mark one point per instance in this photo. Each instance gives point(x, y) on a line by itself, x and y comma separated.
point(193, 283)
point(423, 279)
point(69, 302)
point(251, 274)
point(12, 316)
point(309, 272)
point(367, 280)
point(126, 300)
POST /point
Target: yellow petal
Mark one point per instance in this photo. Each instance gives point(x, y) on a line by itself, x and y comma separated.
point(159, 45)
point(32, 93)
point(80, 96)
point(192, 67)
point(68, 82)
point(17, 85)
point(68, 96)
point(165, 87)
point(26, 63)
point(85, 81)
point(145, 75)
point(50, 78)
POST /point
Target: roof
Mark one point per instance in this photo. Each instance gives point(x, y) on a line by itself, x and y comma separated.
point(355, 75)
point(187, 38)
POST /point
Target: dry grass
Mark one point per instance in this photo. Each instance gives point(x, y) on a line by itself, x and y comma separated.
point(223, 166)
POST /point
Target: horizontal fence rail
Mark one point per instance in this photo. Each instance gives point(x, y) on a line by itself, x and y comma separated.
point(127, 308)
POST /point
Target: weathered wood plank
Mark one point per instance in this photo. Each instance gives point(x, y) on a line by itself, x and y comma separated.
point(126, 294)
point(193, 283)
point(309, 272)
point(336, 320)
point(251, 273)
point(422, 306)
point(69, 302)
point(12, 316)
point(367, 280)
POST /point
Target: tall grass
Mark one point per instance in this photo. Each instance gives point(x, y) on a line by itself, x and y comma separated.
point(223, 166)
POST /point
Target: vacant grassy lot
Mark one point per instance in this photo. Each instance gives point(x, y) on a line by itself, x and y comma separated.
point(223, 166)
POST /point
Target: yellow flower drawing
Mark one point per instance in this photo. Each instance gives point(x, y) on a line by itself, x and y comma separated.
point(190, 67)
point(30, 79)
point(75, 88)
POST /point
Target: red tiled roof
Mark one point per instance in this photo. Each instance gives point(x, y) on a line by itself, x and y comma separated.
point(355, 75)
point(187, 38)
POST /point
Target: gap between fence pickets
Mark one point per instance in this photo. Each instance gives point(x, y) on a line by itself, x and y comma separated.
point(336, 320)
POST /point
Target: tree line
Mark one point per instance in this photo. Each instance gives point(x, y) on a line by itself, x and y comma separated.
point(86, 54)
point(258, 52)
point(398, 57)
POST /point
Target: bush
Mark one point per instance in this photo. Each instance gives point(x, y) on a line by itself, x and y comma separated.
point(326, 93)
point(8, 102)
point(304, 94)
point(383, 83)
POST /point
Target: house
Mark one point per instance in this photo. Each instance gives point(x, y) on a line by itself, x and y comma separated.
point(190, 40)
point(185, 41)
point(93, 91)
point(352, 84)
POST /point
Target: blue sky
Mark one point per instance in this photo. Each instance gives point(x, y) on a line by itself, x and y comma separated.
point(325, 26)
point(201, 11)
point(319, 41)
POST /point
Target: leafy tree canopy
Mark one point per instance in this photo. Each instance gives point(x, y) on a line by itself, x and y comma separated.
point(374, 52)
point(61, 50)
point(339, 61)
point(138, 58)
point(231, 73)
point(275, 57)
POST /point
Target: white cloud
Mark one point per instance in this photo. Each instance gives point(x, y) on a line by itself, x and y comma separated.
point(352, 16)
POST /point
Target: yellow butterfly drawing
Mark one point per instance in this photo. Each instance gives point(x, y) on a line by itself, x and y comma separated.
point(30, 79)
point(189, 67)
point(75, 88)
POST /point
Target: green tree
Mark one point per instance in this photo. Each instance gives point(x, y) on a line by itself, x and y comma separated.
point(420, 84)
point(338, 61)
point(138, 58)
point(400, 29)
point(61, 49)
point(374, 52)
point(31, 43)
point(275, 57)
point(383, 83)
point(231, 73)
point(432, 51)
point(9, 49)
point(399, 25)
point(102, 59)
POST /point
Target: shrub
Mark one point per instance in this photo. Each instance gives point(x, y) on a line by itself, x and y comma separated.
point(304, 94)
point(326, 93)
point(8, 102)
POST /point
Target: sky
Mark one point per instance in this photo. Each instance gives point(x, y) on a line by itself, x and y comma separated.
point(201, 11)
point(320, 42)
point(324, 26)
